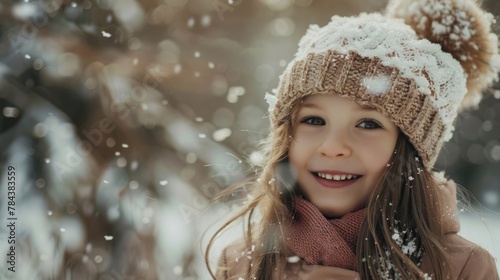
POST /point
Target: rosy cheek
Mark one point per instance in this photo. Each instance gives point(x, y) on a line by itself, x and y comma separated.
point(378, 154)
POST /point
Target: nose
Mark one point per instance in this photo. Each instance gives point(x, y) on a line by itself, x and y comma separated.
point(335, 145)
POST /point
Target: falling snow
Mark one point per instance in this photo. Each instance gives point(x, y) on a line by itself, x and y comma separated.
point(124, 120)
point(293, 259)
point(105, 34)
point(234, 93)
point(221, 134)
point(164, 182)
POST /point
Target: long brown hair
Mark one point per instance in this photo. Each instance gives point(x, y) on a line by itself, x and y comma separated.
point(406, 198)
point(407, 202)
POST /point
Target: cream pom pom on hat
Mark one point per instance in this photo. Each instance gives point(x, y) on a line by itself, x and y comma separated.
point(416, 64)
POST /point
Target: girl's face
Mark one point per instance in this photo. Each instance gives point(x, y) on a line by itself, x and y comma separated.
point(339, 151)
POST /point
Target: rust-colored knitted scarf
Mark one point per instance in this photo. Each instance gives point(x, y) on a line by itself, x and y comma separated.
point(321, 241)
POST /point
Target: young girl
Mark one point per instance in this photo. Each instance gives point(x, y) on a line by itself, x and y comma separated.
point(346, 189)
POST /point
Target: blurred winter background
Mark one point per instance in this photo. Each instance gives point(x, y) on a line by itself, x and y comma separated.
point(123, 118)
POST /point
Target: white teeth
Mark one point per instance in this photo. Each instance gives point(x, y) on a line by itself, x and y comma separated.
point(337, 177)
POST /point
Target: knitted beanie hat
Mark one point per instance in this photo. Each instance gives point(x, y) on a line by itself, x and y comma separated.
point(416, 64)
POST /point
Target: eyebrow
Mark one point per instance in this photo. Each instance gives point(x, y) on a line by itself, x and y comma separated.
point(367, 107)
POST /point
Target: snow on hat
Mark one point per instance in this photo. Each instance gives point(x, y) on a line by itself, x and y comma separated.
point(384, 62)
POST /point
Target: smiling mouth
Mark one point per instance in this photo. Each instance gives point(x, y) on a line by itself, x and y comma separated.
point(336, 177)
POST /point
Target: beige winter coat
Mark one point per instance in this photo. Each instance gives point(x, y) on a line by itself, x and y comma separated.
point(468, 261)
